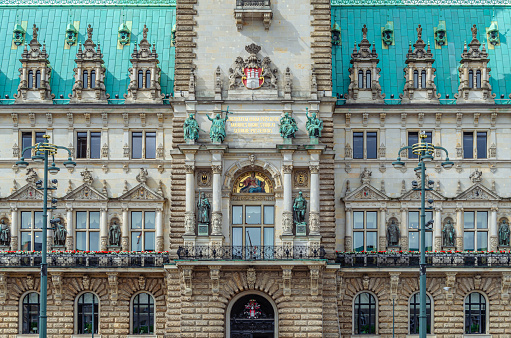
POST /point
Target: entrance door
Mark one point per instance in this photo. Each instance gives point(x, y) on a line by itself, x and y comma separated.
point(252, 317)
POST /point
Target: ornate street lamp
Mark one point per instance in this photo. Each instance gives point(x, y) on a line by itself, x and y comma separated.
point(43, 150)
point(425, 152)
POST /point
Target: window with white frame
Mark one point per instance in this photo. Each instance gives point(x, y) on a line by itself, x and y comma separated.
point(365, 230)
point(88, 144)
point(87, 230)
point(413, 138)
point(475, 314)
point(475, 230)
point(414, 231)
point(143, 144)
point(30, 138)
point(475, 144)
point(365, 145)
point(30, 313)
point(143, 314)
point(415, 311)
point(31, 234)
point(143, 227)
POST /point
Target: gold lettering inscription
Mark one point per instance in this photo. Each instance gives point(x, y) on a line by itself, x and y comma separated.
point(254, 124)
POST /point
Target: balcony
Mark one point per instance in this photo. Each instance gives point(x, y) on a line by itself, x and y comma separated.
point(249, 253)
point(253, 9)
point(433, 259)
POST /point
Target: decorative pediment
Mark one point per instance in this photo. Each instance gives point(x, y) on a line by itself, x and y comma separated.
point(26, 193)
point(85, 192)
point(366, 192)
point(478, 192)
point(141, 192)
point(415, 195)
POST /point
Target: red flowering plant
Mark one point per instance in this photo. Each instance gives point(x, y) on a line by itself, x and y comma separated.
point(81, 253)
point(432, 253)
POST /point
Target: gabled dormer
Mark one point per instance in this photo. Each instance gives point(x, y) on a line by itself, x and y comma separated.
point(144, 74)
point(474, 74)
point(35, 73)
point(89, 84)
point(364, 75)
point(419, 74)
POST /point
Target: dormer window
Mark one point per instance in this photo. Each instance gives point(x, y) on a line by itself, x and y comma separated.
point(140, 79)
point(30, 79)
point(471, 79)
point(38, 79)
point(85, 80)
point(423, 79)
point(148, 79)
point(368, 79)
point(415, 79)
point(93, 79)
point(360, 79)
point(478, 79)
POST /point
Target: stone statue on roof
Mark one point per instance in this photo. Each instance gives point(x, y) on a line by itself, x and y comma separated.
point(419, 32)
point(364, 32)
point(474, 31)
point(89, 32)
point(144, 31)
point(34, 32)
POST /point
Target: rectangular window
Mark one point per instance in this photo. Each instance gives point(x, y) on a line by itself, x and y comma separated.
point(143, 145)
point(481, 145)
point(136, 145)
point(252, 225)
point(365, 230)
point(87, 230)
point(414, 231)
point(475, 227)
point(365, 145)
point(475, 144)
point(413, 138)
point(143, 225)
point(81, 145)
point(30, 138)
point(358, 145)
point(372, 145)
point(95, 144)
point(31, 235)
point(468, 145)
point(88, 144)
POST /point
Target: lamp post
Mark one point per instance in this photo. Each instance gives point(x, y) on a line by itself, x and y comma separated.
point(43, 150)
point(425, 152)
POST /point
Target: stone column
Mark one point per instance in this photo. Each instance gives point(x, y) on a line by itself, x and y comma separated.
point(216, 215)
point(382, 245)
point(314, 201)
point(348, 238)
point(190, 200)
point(159, 229)
point(404, 229)
point(70, 228)
point(494, 229)
point(459, 228)
point(437, 230)
point(14, 228)
point(125, 229)
point(287, 213)
point(103, 229)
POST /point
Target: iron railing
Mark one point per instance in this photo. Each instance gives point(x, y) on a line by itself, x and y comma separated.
point(250, 253)
point(252, 3)
point(405, 260)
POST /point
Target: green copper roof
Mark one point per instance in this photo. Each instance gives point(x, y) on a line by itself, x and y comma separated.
point(420, 2)
point(458, 21)
point(52, 23)
point(87, 2)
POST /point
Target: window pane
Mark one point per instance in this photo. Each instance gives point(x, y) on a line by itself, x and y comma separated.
point(38, 79)
point(38, 219)
point(150, 145)
point(371, 220)
point(30, 79)
point(81, 146)
point(358, 145)
point(358, 241)
point(269, 214)
point(81, 240)
point(413, 241)
point(368, 79)
point(429, 241)
point(95, 145)
point(149, 220)
point(468, 241)
point(372, 241)
point(94, 241)
point(358, 220)
point(468, 145)
point(253, 236)
point(482, 241)
point(360, 79)
point(136, 219)
point(81, 219)
point(482, 220)
point(253, 214)
point(413, 137)
point(372, 145)
point(26, 141)
point(149, 241)
point(94, 220)
point(85, 79)
point(416, 79)
point(468, 217)
point(429, 216)
point(237, 214)
point(38, 241)
point(136, 145)
point(26, 219)
point(237, 236)
point(148, 79)
point(413, 220)
point(93, 79)
point(26, 241)
point(136, 241)
point(423, 79)
point(481, 145)
point(140, 79)
point(268, 237)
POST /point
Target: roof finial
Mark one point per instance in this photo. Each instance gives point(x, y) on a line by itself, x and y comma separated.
point(364, 32)
point(474, 31)
point(89, 32)
point(419, 32)
point(34, 32)
point(144, 31)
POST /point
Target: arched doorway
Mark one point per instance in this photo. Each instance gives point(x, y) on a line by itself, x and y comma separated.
point(251, 315)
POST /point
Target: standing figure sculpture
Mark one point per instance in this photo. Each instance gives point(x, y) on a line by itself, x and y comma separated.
point(217, 131)
point(448, 234)
point(288, 126)
point(299, 209)
point(393, 234)
point(5, 233)
point(114, 234)
point(504, 233)
point(191, 128)
point(314, 125)
point(60, 233)
point(204, 206)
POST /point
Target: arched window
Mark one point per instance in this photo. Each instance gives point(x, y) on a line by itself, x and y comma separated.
point(364, 312)
point(478, 79)
point(252, 313)
point(415, 79)
point(368, 79)
point(38, 79)
point(423, 79)
point(30, 313)
point(475, 313)
point(360, 79)
point(143, 314)
point(87, 313)
point(148, 79)
point(415, 311)
point(30, 79)
point(93, 79)
point(85, 79)
point(140, 79)
point(470, 79)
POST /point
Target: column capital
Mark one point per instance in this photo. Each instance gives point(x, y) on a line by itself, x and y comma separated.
point(314, 168)
point(189, 168)
point(287, 168)
point(217, 168)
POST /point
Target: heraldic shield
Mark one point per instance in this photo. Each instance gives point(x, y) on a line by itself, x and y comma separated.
point(253, 78)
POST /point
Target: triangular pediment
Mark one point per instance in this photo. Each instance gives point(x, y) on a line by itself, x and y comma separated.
point(366, 192)
point(26, 193)
point(141, 192)
point(85, 192)
point(415, 195)
point(478, 192)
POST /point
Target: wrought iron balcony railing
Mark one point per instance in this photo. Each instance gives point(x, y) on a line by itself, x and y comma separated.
point(250, 253)
point(406, 260)
point(252, 3)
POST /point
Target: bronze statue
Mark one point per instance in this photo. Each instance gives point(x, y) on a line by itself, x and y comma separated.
point(204, 206)
point(60, 233)
point(393, 234)
point(299, 209)
point(5, 233)
point(449, 234)
point(504, 233)
point(114, 234)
